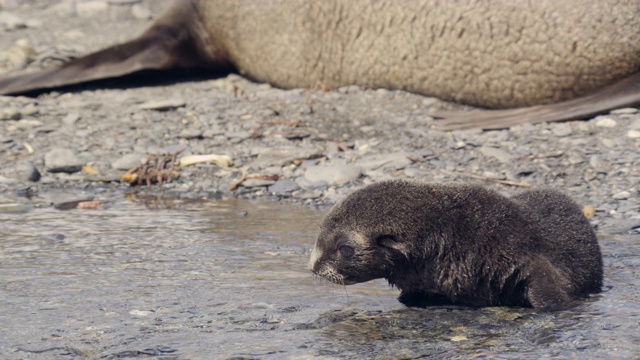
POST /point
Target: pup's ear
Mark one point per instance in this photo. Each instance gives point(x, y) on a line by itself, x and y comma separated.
point(392, 242)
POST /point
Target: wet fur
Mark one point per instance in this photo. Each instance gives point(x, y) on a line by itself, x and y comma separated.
point(462, 244)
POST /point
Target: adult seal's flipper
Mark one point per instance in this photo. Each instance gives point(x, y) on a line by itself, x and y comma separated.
point(169, 43)
point(621, 94)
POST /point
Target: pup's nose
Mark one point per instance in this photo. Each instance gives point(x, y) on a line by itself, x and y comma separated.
point(313, 260)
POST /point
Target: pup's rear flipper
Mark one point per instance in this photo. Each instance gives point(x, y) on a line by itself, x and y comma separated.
point(621, 94)
point(169, 43)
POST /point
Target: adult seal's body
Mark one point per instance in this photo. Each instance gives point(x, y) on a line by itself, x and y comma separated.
point(492, 54)
point(462, 244)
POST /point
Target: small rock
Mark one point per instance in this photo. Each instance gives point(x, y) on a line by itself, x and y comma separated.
point(608, 143)
point(28, 124)
point(129, 161)
point(190, 133)
point(140, 12)
point(633, 134)
point(33, 23)
point(622, 195)
point(624, 111)
point(283, 187)
point(212, 132)
point(249, 183)
point(171, 149)
point(501, 155)
point(70, 204)
point(23, 171)
point(29, 110)
point(606, 122)
point(237, 134)
point(9, 114)
point(411, 172)
point(62, 160)
point(71, 118)
point(561, 130)
point(140, 313)
point(622, 226)
point(596, 162)
point(394, 160)
point(10, 21)
point(526, 170)
point(163, 105)
point(90, 8)
point(333, 174)
point(311, 185)
point(585, 127)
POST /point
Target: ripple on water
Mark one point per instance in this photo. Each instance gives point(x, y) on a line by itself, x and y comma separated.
point(227, 278)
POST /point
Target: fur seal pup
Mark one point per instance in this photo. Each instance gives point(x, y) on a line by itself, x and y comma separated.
point(461, 244)
point(492, 54)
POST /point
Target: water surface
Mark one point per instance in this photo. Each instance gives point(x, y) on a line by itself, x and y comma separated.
point(169, 279)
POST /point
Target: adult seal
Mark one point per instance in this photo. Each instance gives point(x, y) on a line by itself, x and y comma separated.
point(462, 244)
point(492, 54)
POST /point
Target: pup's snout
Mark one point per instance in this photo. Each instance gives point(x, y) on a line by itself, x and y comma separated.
point(313, 260)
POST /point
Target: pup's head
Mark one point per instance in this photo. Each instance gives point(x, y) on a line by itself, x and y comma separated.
point(368, 235)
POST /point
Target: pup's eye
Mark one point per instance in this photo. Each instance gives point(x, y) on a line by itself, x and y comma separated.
point(346, 250)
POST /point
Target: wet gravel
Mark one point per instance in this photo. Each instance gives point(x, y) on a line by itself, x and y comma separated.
point(304, 146)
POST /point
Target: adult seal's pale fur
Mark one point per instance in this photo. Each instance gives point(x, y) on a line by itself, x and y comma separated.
point(462, 244)
point(495, 54)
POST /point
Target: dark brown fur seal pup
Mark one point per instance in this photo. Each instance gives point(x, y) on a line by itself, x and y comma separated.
point(461, 244)
point(496, 54)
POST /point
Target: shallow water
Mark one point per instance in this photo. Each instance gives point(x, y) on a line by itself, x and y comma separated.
point(168, 279)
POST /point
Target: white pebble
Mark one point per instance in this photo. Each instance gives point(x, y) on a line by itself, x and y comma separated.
point(606, 122)
point(633, 134)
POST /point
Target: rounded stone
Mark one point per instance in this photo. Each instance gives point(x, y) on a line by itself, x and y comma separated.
point(128, 161)
point(333, 174)
point(606, 122)
point(62, 160)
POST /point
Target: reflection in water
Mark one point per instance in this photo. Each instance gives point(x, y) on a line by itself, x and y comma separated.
point(217, 279)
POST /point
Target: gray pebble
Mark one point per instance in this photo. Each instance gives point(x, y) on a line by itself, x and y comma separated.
point(561, 130)
point(606, 122)
point(25, 171)
point(621, 226)
point(9, 114)
point(499, 154)
point(140, 12)
point(129, 161)
point(70, 118)
point(284, 187)
point(608, 143)
point(596, 163)
point(633, 134)
point(333, 174)
point(237, 134)
point(622, 195)
point(307, 185)
point(395, 160)
point(412, 172)
point(90, 8)
point(62, 160)
point(190, 133)
point(11, 22)
point(624, 111)
point(163, 105)
point(249, 183)
point(29, 110)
